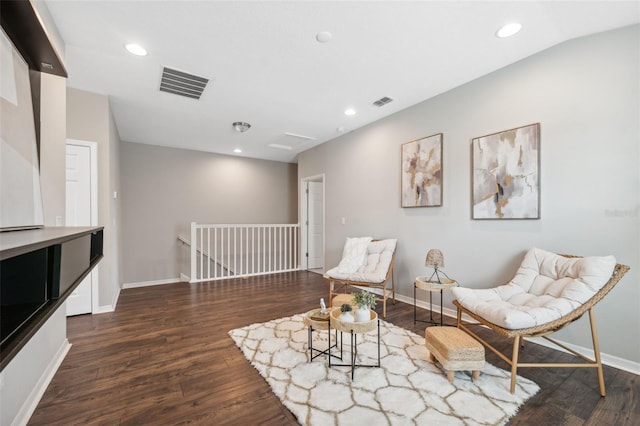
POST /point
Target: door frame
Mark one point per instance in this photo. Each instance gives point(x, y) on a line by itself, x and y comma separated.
point(304, 215)
point(93, 150)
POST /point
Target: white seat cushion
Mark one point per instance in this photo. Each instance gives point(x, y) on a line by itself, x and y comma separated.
point(546, 287)
point(353, 254)
point(374, 270)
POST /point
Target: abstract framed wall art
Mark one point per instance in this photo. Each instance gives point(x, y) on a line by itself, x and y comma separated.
point(506, 174)
point(422, 172)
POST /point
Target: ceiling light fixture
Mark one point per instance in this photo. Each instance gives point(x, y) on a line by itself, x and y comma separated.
point(509, 29)
point(237, 151)
point(241, 127)
point(323, 36)
point(136, 49)
point(350, 111)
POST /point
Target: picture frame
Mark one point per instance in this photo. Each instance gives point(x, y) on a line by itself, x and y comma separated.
point(421, 170)
point(506, 174)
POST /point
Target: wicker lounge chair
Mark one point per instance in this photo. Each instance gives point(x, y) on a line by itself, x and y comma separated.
point(370, 264)
point(534, 306)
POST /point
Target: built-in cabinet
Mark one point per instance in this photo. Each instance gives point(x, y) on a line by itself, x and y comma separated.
point(39, 269)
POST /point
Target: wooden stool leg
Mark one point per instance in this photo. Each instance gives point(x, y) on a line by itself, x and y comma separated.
point(475, 375)
point(431, 357)
point(450, 376)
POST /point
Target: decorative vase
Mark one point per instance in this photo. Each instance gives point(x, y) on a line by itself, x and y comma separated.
point(346, 317)
point(362, 314)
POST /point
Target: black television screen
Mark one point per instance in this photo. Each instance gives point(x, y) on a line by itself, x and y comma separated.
point(23, 291)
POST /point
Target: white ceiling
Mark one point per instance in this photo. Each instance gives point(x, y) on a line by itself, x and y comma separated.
point(267, 68)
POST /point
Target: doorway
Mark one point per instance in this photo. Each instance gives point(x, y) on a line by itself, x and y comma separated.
point(81, 209)
point(312, 215)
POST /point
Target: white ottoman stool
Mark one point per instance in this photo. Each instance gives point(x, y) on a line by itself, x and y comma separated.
point(455, 350)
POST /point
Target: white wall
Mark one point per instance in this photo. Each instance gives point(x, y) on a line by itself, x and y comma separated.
point(53, 127)
point(26, 377)
point(165, 189)
point(585, 94)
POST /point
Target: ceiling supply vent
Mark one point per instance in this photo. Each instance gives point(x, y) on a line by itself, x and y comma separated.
point(289, 141)
point(382, 101)
point(182, 83)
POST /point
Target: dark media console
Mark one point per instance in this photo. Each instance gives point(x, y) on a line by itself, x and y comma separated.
point(39, 269)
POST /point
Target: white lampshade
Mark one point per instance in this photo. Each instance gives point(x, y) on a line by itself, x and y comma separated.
point(435, 259)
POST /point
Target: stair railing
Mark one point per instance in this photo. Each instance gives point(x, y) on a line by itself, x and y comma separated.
point(220, 251)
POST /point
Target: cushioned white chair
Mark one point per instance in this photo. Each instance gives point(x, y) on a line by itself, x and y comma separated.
point(365, 263)
point(548, 292)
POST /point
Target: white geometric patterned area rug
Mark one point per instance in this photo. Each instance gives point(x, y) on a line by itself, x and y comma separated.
point(406, 390)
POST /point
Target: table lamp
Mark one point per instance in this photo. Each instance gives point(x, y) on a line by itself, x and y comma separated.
point(435, 259)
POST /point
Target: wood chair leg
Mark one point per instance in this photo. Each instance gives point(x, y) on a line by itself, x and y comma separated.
point(393, 287)
point(596, 351)
point(514, 363)
point(384, 300)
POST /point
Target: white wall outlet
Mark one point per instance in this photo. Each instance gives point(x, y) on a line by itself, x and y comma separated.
point(343, 221)
point(59, 221)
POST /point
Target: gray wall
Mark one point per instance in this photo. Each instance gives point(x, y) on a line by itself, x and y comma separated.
point(165, 189)
point(585, 93)
point(89, 119)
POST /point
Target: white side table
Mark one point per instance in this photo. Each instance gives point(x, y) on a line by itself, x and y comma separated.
point(426, 283)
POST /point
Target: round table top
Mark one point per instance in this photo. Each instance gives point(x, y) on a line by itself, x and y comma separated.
point(443, 284)
point(356, 327)
point(309, 319)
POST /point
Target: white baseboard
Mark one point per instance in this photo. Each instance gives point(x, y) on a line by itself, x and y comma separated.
point(610, 360)
point(184, 278)
point(104, 309)
point(150, 283)
point(109, 308)
point(29, 406)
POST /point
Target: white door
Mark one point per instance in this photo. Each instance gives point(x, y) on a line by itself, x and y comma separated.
point(315, 209)
point(78, 213)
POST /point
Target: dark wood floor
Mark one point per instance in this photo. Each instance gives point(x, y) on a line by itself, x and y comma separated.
point(164, 357)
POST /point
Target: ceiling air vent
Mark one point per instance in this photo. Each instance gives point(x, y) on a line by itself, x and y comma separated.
point(289, 141)
point(182, 83)
point(382, 101)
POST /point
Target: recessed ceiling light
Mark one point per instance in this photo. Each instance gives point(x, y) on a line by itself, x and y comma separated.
point(350, 111)
point(237, 151)
point(509, 29)
point(136, 49)
point(323, 36)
